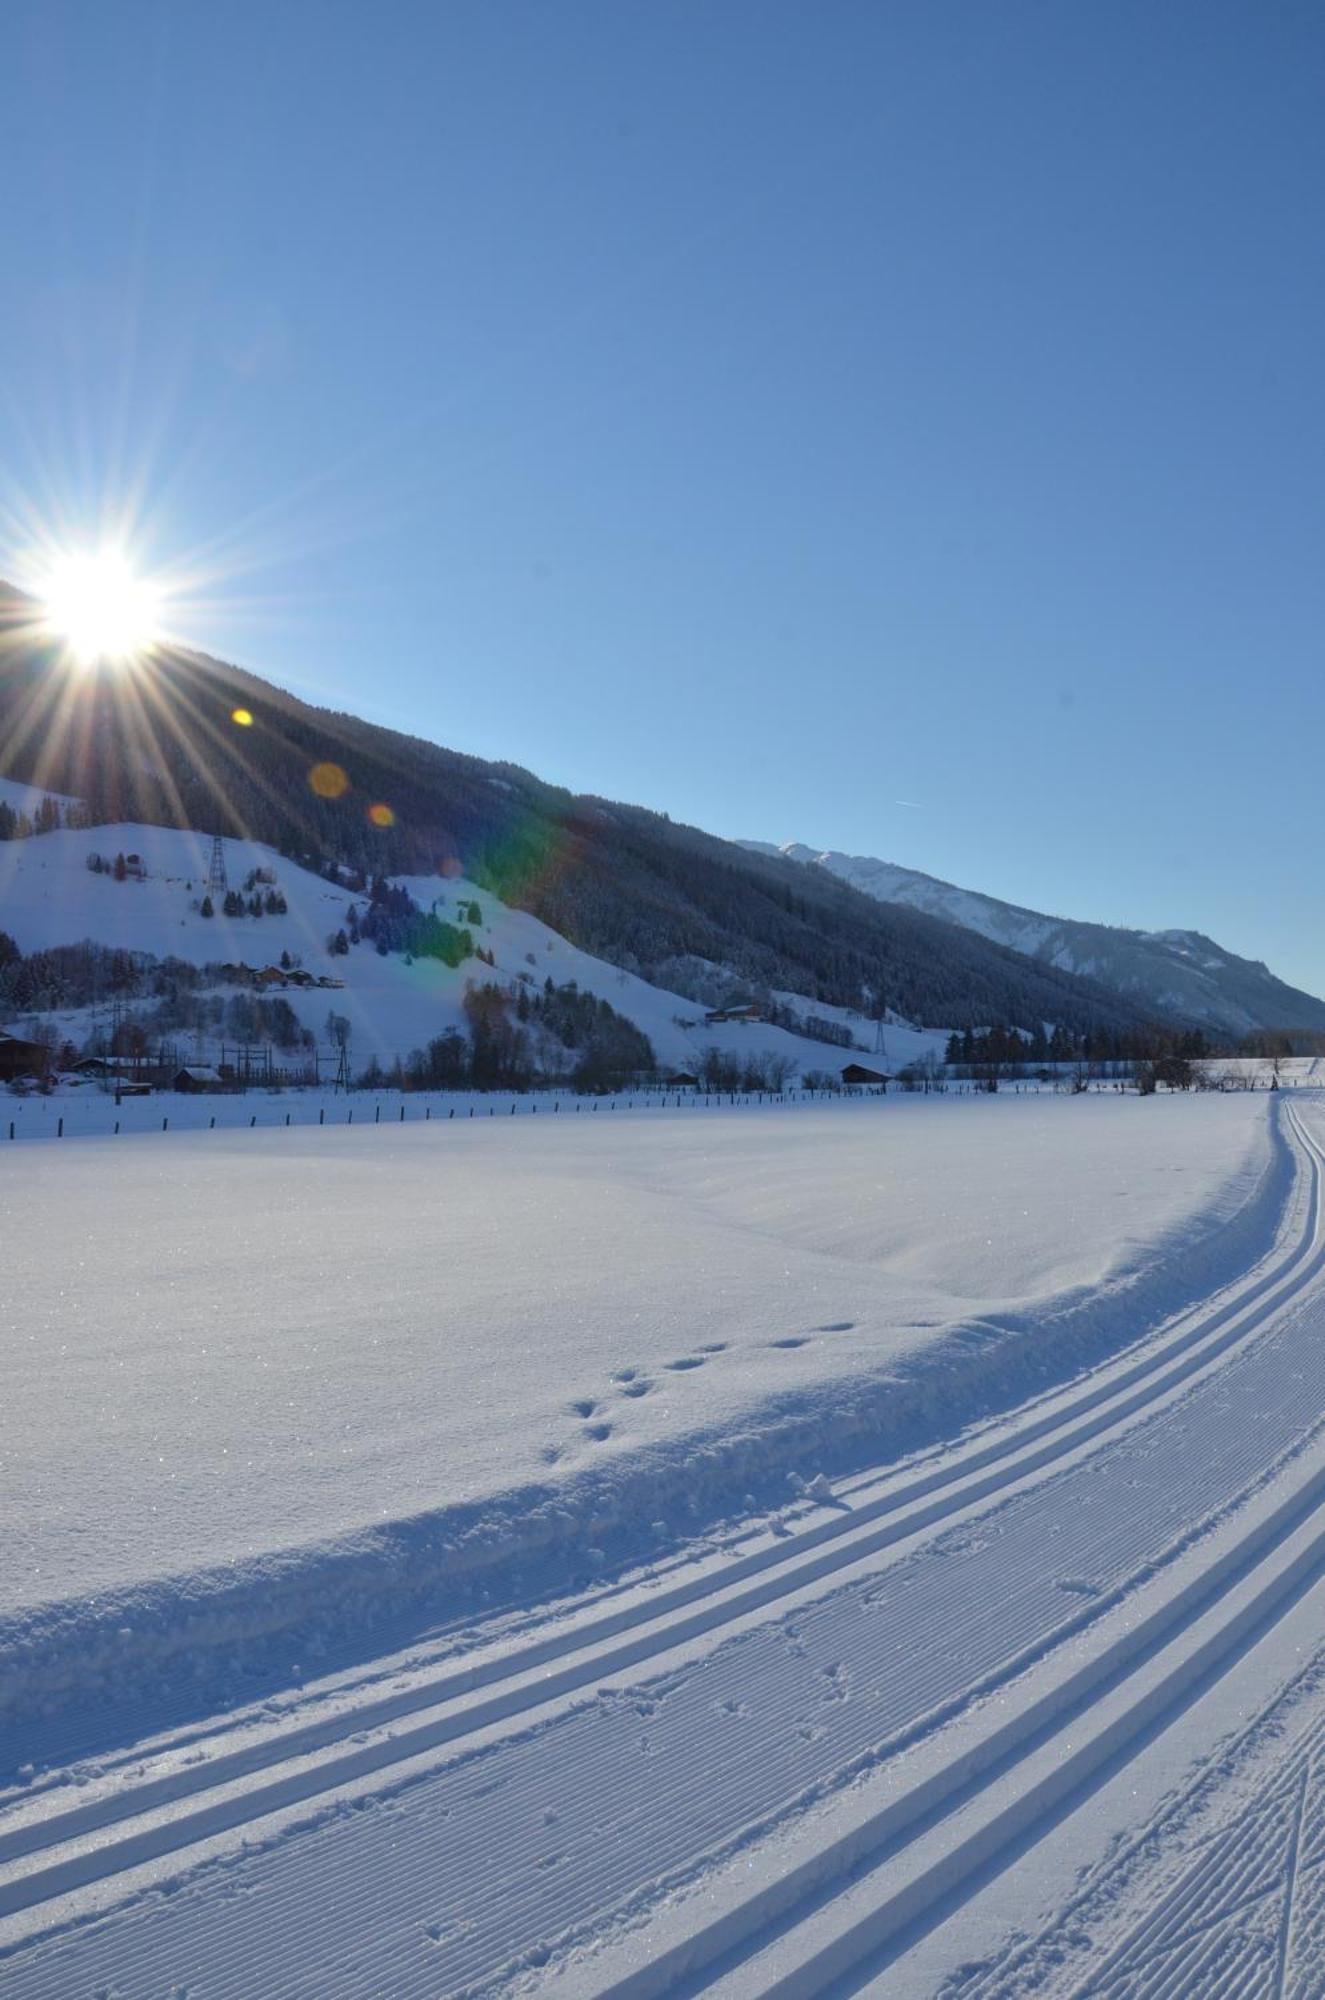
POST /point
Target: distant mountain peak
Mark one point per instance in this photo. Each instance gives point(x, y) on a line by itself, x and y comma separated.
point(1178, 973)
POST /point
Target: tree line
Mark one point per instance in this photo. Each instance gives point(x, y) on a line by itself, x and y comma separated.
point(516, 1038)
point(1012, 1051)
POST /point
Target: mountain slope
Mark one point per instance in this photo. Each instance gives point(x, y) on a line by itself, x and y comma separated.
point(680, 908)
point(1183, 975)
point(49, 896)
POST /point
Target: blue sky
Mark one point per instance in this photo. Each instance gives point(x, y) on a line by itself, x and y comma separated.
point(768, 413)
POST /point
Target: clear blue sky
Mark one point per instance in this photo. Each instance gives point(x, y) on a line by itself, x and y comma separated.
point(767, 413)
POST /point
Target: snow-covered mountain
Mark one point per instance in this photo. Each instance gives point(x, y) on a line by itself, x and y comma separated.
point(660, 901)
point(50, 896)
point(1178, 973)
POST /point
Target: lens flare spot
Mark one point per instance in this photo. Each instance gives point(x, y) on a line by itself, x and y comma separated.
point(381, 815)
point(243, 717)
point(329, 781)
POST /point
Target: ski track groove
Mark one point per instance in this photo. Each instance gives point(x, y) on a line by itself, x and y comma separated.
point(1219, 1874)
point(919, 1635)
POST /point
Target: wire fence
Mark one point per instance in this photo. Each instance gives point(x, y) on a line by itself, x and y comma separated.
point(99, 1116)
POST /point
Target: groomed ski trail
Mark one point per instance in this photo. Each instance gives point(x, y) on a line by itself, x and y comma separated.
point(1179, 1484)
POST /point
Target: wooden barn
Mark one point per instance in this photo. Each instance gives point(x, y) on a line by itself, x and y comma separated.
point(196, 1079)
point(856, 1074)
point(20, 1058)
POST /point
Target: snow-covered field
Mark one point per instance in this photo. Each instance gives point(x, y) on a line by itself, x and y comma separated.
point(856, 1547)
point(248, 1344)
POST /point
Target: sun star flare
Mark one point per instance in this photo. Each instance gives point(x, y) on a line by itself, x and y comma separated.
point(99, 608)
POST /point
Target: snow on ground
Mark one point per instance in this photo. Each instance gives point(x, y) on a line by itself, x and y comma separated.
point(49, 896)
point(1038, 1712)
point(259, 1384)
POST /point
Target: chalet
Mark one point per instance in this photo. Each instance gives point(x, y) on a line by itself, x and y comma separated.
point(270, 975)
point(20, 1058)
point(749, 1012)
point(856, 1073)
point(682, 1080)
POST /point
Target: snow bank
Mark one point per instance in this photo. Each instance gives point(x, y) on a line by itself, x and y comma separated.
point(271, 1395)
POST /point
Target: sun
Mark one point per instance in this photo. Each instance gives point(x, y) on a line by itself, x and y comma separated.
point(100, 609)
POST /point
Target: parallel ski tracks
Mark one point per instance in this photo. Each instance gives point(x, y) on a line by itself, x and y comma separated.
point(157, 1817)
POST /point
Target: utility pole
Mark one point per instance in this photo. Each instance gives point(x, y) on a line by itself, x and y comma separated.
point(217, 883)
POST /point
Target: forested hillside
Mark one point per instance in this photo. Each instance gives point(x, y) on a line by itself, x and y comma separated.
point(161, 744)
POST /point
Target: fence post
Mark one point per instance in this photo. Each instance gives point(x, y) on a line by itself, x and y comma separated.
point(59, 1133)
point(211, 1123)
point(252, 1121)
point(377, 1114)
point(287, 1117)
point(321, 1114)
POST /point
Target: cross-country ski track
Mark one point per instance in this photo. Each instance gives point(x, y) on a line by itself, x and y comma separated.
point(775, 1771)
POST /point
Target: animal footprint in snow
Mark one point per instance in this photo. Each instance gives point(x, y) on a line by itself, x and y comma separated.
point(837, 1326)
point(583, 1406)
point(713, 1347)
point(442, 1932)
point(625, 1374)
point(599, 1431)
point(792, 1340)
point(638, 1386)
point(687, 1361)
point(836, 1677)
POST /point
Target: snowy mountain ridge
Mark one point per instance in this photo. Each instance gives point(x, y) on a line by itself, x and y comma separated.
point(1178, 973)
